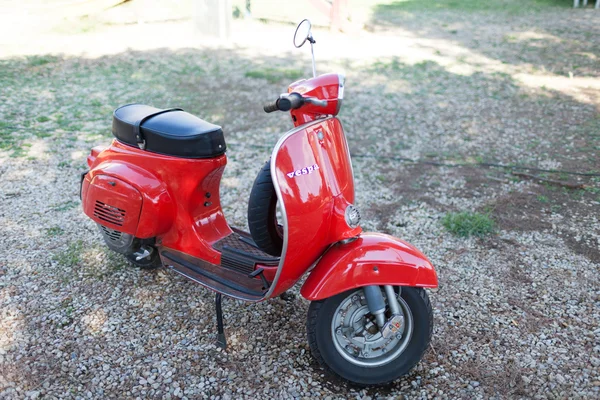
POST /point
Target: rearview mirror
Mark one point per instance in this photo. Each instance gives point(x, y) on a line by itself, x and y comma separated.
point(302, 33)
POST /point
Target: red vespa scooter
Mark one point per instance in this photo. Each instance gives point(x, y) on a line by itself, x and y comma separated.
point(154, 193)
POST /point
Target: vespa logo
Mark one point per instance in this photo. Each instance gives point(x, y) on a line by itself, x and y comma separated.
point(303, 171)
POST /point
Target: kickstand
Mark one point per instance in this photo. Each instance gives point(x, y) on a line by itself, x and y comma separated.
point(221, 341)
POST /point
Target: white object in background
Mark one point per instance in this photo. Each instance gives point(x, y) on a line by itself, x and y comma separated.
point(576, 3)
point(212, 18)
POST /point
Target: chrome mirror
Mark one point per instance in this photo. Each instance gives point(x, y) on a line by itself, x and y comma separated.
point(302, 33)
point(301, 36)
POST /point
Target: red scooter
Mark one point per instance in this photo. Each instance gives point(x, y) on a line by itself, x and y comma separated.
point(154, 193)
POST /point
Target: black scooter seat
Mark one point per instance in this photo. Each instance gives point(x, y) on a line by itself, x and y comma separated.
point(171, 132)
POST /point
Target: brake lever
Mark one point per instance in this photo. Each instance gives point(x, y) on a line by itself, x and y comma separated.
point(316, 102)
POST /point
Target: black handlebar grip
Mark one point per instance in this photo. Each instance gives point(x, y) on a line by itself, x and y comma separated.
point(271, 107)
point(285, 102)
point(296, 100)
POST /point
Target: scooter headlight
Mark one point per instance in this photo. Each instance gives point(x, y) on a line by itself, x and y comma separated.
point(352, 216)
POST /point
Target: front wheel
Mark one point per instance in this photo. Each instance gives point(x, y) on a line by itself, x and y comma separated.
point(345, 339)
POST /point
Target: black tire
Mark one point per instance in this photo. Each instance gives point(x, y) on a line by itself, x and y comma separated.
point(152, 262)
point(320, 314)
point(126, 244)
point(262, 213)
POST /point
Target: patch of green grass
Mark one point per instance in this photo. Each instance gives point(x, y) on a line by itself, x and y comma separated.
point(543, 199)
point(55, 231)
point(42, 118)
point(69, 309)
point(465, 224)
point(67, 205)
point(592, 189)
point(36, 61)
point(576, 194)
point(71, 256)
point(7, 139)
point(274, 75)
point(41, 134)
point(421, 71)
point(18, 152)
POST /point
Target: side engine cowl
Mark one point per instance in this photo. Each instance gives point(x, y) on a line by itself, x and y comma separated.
point(113, 203)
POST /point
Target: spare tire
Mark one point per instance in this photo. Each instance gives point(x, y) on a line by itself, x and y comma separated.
point(266, 232)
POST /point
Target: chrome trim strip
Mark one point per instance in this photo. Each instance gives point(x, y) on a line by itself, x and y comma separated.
point(278, 192)
point(350, 162)
point(341, 83)
point(340, 98)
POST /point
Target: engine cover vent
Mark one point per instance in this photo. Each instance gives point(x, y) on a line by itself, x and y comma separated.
point(109, 213)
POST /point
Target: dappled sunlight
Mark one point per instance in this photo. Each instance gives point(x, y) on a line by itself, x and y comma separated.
point(397, 86)
point(230, 182)
point(11, 322)
point(78, 155)
point(248, 39)
point(38, 149)
point(460, 60)
point(95, 320)
point(591, 56)
point(550, 164)
point(576, 87)
point(532, 37)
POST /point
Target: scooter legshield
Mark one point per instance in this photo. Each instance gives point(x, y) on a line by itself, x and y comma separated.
point(372, 259)
point(312, 175)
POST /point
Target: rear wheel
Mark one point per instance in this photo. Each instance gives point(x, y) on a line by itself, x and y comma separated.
point(345, 339)
point(149, 261)
point(140, 252)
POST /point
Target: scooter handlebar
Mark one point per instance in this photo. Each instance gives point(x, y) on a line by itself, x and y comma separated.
point(292, 101)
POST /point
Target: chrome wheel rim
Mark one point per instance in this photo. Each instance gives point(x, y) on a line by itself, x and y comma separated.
point(356, 336)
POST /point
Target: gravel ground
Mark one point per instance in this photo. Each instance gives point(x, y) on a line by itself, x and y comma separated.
point(516, 314)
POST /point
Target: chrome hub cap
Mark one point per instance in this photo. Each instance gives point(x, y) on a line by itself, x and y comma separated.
point(359, 340)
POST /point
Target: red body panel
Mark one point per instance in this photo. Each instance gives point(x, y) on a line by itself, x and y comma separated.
point(156, 203)
point(372, 259)
point(324, 87)
point(193, 222)
point(312, 174)
point(116, 203)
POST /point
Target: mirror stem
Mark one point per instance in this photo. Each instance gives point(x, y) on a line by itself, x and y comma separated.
point(314, 65)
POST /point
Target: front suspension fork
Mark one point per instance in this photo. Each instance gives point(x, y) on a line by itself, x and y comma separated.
point(376, 303)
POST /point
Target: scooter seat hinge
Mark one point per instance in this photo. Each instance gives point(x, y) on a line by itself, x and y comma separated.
point(141, 142)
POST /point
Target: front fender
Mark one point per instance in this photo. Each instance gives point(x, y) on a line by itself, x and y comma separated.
point(372, 259)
